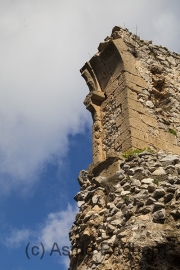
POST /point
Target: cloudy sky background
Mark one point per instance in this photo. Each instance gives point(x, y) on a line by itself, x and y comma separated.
point(44, 128)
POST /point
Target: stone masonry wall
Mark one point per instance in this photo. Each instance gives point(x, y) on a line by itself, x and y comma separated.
point(129, 201)
point(134, 96)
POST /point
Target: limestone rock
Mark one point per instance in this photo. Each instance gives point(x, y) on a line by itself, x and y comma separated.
point(170, 159)
point(147, 181)
point(159, 192)
point(159, 215)
point(159, 171)
point(168, 197)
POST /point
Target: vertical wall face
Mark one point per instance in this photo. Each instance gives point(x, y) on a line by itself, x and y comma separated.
point(129, 209)
point(128, 97)
point(106, 66)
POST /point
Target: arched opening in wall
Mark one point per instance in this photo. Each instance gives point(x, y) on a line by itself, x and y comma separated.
point(107, 65)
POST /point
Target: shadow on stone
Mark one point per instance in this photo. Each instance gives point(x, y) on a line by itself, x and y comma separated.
point(164, 256)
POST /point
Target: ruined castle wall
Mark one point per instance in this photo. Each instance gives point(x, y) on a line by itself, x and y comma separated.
point(129, 204)
point(141, 87)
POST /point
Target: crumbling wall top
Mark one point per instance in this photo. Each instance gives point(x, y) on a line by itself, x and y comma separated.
point(134, 95)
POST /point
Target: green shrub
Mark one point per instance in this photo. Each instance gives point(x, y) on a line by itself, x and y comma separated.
point(131, 152)
point(126, 198)
point(155, 181)
point(173, 131)
point(150, 150)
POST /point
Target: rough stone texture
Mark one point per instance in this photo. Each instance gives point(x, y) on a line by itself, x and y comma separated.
point(124, 224)
point(134, 95)
point(129, 209)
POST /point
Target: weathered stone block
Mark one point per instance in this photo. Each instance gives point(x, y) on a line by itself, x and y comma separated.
point(136, 80)
point(138, 124)
point(131, 94)
point(172, 148)
point(111, 87)
point(140, 144)
point(134, 87)
point(139, 134)
point(97, 96)
point(127, 144)
point(135, 105)
point(123, 137)
point(133, 113)
point(124, 125)
point(120, 119)
point(127, 58)
point(149, 120)
point(168, 137)
point(157, 142)
point(121, 99)
point(122, 79)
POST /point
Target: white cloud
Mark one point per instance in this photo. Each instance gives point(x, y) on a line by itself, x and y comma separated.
point(41, 99)
point(53, 234)
point(43, 46)
point(17, 237)
point(56, 230)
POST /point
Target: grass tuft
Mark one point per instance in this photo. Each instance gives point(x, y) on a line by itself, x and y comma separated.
point(126, 198)
point(173, 131)
point(155, 181)
point(132, 152)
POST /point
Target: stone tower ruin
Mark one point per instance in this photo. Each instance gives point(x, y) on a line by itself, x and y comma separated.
point(129, 200)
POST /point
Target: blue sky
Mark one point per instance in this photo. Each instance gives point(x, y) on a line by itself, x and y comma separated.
point(45, 130)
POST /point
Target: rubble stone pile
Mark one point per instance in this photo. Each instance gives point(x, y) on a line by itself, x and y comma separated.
point(130, 220)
